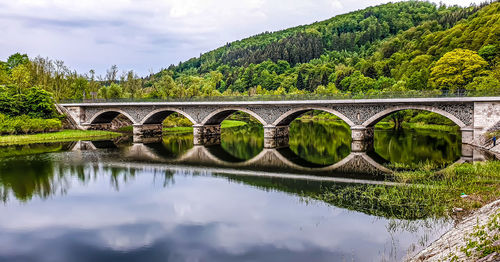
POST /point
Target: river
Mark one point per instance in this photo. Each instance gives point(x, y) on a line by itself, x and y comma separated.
point(172, 201)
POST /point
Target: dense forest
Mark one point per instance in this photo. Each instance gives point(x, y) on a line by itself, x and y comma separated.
point(397, 47)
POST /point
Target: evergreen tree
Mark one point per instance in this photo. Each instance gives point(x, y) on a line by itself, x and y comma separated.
point(300, 82)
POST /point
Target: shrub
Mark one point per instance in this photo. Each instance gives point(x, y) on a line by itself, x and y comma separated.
point(26, 125)
point(34, 102)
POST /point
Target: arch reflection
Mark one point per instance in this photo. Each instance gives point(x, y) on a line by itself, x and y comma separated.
point(273, 160)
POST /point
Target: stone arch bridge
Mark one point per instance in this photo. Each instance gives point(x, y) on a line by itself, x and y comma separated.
point(474, 115)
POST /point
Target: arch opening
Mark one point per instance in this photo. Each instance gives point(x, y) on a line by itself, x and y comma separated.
point(318, 137)
point(416, 138)
point(218, 116)
point(291, 115)
point(161, 121)
point(113, 120)
point(168, 116)
point(372, 121)
point(240, 132)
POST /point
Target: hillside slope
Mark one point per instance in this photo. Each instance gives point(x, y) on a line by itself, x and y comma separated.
point(392, 47)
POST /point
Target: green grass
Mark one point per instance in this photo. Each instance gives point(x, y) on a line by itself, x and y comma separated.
point(61, 136)
point(232, 123)
point(178, 129)
point(419, 126)
point(423, 126)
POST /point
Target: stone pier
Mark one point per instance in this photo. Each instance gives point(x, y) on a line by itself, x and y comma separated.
point(147, 132)
point(206, 134)
point(362, 138)
point(467, 135)
point(276, 136)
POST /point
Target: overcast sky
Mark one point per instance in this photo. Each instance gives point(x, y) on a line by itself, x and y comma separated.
point(146, 35)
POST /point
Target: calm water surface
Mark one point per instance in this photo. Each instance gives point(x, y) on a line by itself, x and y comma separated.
point(108, 201)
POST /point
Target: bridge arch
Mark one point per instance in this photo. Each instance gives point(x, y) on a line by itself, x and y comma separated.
point(216, 117)
point(288, 117)
point(107, 115)
point(379, 116)
point(157, 116)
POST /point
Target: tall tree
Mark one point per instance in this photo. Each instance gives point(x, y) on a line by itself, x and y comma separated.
point(300, 82)
point(17, 59)
point(456, 69)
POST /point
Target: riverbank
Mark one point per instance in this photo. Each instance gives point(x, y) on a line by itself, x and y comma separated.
point(476, 238)
point(60, 136)
point(419, 126)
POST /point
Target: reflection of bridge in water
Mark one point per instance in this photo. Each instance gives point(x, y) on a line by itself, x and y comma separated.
point(269, 159)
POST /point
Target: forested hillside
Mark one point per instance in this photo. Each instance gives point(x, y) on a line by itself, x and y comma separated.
point(392, 47)
point(396, 47)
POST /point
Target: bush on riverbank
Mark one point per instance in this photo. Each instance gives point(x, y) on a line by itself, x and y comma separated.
point(26, 125)
point(27, 111)
point(33, 102)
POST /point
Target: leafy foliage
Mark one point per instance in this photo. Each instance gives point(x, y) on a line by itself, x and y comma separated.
point(457, 69)
point(26, 125)
point(34, 102)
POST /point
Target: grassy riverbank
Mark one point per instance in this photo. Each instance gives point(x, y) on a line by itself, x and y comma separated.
point(455, 191)
point(61, 136)
point(419, 126)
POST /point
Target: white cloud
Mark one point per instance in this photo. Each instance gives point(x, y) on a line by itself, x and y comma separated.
point(149, 34)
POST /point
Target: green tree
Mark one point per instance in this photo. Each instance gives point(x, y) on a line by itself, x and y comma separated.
point(485, 84)
point(418, 80)
point(112, 91)
point(16, 60)
point(132, 84)
point(456, 69)
point(80, 88)
point(38, 103)
point(300, 82)
point(4, 73)
point(21, 77)
point(489, 52)
point(166, 87)
point(8, 103)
